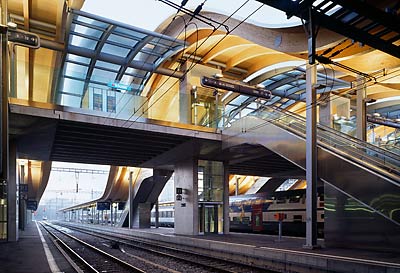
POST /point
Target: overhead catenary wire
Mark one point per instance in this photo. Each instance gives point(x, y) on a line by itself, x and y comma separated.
point(195, 63)
point(354, 87)
point(198, 61)
point(306, 107)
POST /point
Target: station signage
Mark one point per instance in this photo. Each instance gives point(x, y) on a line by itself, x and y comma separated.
point(31, 205)
point(234, 87)
point(103, 206)
point(120, 86)
point(23, 38)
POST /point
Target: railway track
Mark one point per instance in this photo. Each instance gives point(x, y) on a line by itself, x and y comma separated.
point(86, 257)
point(163, 258)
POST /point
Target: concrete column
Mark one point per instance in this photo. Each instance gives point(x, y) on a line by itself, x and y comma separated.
point(12, 201)
point(335, 105)
point(226, 199)
point(185, 107)
point(361, 109)
point(142, 216)
point(186, 210)
point(156, 216)
point(311, 157)
point(326, 112)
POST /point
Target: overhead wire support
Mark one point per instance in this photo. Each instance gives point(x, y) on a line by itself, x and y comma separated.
point(325, 60)
point(195, 14)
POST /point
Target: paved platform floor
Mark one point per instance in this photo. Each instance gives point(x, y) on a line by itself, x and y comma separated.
point(28, 254)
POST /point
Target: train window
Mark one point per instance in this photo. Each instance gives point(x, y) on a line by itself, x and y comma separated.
point(322, 216)
point(294, 199)
point(246, 220)
point(281, 200)
point(297, 218)
point(321, 197)
point(236, 219)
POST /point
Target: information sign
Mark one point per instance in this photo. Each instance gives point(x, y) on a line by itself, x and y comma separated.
point(31, 204)
point(120, 86)
point(23, 38)
point(103, 205)
point(239, 88)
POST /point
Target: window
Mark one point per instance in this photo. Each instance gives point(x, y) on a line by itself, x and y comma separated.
point(297, 218)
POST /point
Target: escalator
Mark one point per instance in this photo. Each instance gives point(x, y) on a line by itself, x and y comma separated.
point(362, 181)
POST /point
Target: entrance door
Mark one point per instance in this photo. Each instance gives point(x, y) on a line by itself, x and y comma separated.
point(210, 219)
point(257, 218)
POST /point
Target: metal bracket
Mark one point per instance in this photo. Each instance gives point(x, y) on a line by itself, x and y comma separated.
point(3, 29)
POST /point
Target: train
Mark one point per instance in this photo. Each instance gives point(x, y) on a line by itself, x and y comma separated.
point(262, 212)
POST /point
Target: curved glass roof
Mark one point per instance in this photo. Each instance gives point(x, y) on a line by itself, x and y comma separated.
point(288, 86)
point(104, 54)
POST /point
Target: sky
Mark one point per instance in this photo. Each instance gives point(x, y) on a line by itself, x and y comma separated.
point(149, 14)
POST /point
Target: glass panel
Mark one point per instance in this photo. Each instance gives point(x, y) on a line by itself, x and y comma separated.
point(122, 40)
point(72, 86)
point(129, 32)
point(75, 70)
point(71, 101)
point(108, 65)
point(103, 75)
point(210, 180)
point(87, 31)
point(83, 42)
point(92, 22)
point(115, 50)
point(79, 59)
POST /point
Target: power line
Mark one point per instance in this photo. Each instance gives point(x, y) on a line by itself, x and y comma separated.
point(198, 61)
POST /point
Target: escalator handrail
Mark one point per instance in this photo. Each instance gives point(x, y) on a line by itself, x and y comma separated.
point(388, 167)
point(346, 137)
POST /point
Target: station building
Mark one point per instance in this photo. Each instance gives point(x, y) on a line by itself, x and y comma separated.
point(207, 97)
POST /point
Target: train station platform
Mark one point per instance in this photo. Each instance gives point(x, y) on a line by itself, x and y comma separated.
point(287, 255)
point(31, 254)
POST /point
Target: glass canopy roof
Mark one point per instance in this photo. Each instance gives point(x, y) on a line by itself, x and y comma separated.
point(286, 87)
point(104, 54)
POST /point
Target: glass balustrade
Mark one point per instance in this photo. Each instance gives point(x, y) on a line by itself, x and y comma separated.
point(341, 142)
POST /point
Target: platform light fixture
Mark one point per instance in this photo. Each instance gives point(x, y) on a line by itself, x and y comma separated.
point(218, 76)
point(260, 86)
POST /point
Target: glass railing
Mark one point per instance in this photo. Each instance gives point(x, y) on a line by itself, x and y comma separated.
point(105, 97)
point(342, 143)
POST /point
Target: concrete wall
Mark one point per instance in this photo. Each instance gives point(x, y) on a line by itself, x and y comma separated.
point(186, 210)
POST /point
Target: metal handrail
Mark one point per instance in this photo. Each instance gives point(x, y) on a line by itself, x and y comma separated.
point(351, 146)
point(345, 136)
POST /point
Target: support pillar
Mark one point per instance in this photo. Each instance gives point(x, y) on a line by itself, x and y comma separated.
point(185, 107)
point(12, 202)
point(361, 109)
point(311, 140)
point(142, 215)
point(156, 216)
point(311, 158)
point(226, 198)
point(4, 122)
point(186, 210)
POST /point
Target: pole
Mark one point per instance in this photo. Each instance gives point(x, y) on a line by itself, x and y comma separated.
point(237, 186)
point(311, 141)
point(130, 201)
point(157, 224)
point(280, 231)
point(4, 107)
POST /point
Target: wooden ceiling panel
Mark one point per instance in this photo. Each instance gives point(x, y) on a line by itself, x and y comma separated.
point(45, 10)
